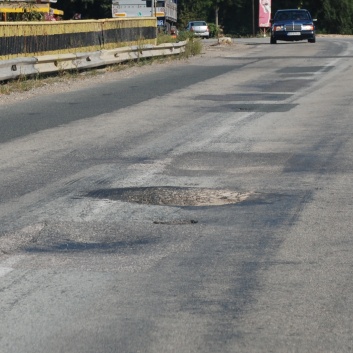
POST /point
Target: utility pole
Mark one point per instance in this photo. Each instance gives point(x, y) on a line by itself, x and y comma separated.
point(253, 18)
point(153, 8)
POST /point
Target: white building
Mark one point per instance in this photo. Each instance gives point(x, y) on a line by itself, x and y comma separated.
point(164, 10)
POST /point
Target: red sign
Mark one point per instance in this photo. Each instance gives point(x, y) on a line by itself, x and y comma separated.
point(264, 13)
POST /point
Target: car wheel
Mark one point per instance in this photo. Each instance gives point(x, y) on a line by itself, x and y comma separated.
point(312, 40)
point(273, 41)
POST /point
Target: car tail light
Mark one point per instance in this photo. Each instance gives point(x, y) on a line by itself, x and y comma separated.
point(192, 29)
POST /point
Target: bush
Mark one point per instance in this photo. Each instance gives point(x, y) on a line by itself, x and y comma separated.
point(193, 47)
point(214, 30)
point(165, 38)
point(185, 35)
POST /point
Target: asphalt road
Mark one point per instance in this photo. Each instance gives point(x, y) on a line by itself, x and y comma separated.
point(205, 207)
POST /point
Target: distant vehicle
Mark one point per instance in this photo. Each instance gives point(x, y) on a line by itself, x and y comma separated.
point(199, 29)
point(293, 25)
point(164, 10)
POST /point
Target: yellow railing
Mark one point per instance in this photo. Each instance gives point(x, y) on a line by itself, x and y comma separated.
point(26, 39)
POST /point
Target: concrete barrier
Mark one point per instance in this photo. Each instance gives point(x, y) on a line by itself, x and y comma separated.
point(11, 69)
point(64, 62)
point(118, 55)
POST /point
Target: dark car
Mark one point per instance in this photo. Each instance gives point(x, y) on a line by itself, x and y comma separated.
point(292, 25)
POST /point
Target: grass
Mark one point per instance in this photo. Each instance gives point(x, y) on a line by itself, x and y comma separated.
point(193, 48)
point(165, 38)
point(27, 83)
point(21, 84)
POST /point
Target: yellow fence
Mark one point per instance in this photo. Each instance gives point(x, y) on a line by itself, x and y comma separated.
point(26, 39)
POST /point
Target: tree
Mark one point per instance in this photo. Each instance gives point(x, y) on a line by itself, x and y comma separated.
point(89, 9)
point(223, 5)
point(236, 16)
point(337, 16)
point(193, 10)
point(220, 12)
point(29, 12)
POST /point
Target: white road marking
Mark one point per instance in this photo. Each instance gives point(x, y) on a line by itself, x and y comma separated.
point(6, 266)
point(5, 270)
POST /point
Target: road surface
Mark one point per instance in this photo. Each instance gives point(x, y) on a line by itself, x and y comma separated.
point(201, 207)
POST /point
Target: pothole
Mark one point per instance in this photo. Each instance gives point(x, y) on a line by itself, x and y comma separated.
point(172, 196)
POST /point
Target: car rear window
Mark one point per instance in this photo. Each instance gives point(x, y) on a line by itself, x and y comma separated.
point(199, 23)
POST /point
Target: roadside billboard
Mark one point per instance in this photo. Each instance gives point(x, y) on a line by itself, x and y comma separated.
point(264, 13)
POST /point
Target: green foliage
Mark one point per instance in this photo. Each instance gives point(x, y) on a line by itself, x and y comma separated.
point(234, 16)
point(89, 9)
point(230, 13)
point(192, 48)
point(165, 38)
point(25, 16)
point(185, 35)
point(214, 30)
point(337, 17)
point(29, 13)
point(192, 10)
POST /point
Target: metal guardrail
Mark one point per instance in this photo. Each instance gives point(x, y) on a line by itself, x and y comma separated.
point(12, 69)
